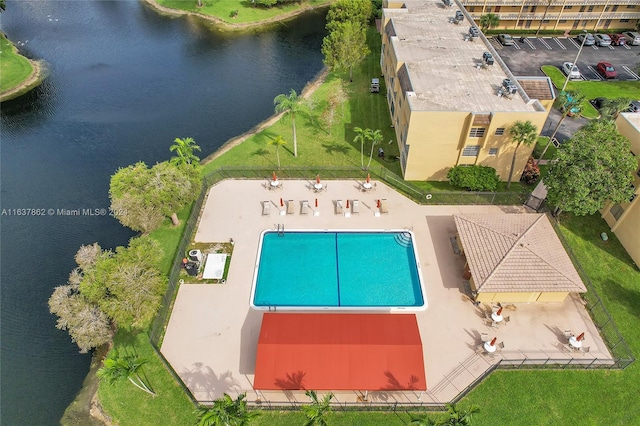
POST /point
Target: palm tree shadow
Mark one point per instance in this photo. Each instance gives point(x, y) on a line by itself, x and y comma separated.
point(335, 147)
point(394, 384)
point(203, 379)
point(293, 381)
point(263, 152)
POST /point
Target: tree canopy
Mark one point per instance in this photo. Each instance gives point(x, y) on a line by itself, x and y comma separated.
point(345, 47)
point(522, 132)
point(144, 196)
point(593, 167)
point(358, 11)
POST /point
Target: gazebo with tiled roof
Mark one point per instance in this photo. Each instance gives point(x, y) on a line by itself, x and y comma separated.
point(515, 258)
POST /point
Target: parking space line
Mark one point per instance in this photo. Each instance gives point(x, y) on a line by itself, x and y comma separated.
point(631, 72)
point(543, 41)
point(529, 43)
point(597, 74)
point(575, 43)
point(595, 47)
point(626, 47)
point(559, 44)
point(611, 47)
point(516, 46)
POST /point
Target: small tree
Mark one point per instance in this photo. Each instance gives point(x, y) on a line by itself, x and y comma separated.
point(460, 417)
point(522, 132)
point(289, 104)
point(345, 46)
point(317, 411)
point(593, 167)
point(277, 142)
point(375, 136)
point(184, 148)
point(531, 172)
point(226, 412)
point(488, 21)
point(474, 178)
point(117, 366)
point(611, 108)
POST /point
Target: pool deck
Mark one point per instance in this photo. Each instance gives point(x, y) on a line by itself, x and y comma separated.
point(212, 335)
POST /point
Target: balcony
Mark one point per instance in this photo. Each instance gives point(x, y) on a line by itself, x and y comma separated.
point(555, 16)
point(543, 3)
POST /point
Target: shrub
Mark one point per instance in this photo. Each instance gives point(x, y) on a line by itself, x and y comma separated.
point(531, 172)
point(474, 178)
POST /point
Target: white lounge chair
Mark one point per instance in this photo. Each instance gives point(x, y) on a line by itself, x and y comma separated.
point(355, 207)
point(384, 207)
point(305, 207)
point(290, 207)
point(339, 208)
point(266, 208)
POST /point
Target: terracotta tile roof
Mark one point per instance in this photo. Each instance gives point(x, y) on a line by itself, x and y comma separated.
point(516, 253)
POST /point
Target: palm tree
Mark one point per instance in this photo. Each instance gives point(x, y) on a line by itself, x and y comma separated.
point(290, 105)
point(317, 410)
point(226, 412)
point(613, 107)
point(278, 142)
point(522, 132)
point(117, 366)
point(490, 20)
point(567, 102)
point(376, 137)
point(361, 135)
point(184, 148)
point(421, 420)
point(460, 417)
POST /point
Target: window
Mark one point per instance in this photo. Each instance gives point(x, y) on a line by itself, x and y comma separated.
point(471, 151)
point(500, 131)
point(477, 132)
point(624, 20)
point(568, 7)
point(488, 9)
point(497, 9)
point(563, 21)
point(493, 151)
point(631, 6)
point(616, 211)
point(590, 9)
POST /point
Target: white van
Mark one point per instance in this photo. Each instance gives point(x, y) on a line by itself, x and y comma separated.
point(632, 37)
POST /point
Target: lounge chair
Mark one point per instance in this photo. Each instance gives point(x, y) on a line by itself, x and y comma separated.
point(305, 207)
point(290, 207)
point(484, 337)
point(339, 208)
point(500, 346)
point(266, 208)
point(384, 208)
point(355, 207)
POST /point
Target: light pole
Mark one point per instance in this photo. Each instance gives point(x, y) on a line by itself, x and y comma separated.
point(575, 63)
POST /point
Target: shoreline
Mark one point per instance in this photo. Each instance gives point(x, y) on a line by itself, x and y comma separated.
point(33, 81)
point(232, 26)
point(307, 91)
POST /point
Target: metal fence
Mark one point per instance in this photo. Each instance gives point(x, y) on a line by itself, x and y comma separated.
point(620, 351)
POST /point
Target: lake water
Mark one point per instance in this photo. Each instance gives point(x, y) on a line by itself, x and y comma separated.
point(124, 82)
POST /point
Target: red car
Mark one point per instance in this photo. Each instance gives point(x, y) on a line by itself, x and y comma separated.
point(607, 70)
point(618, 39)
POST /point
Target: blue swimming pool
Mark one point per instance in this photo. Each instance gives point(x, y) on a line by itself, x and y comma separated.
point(338, 269)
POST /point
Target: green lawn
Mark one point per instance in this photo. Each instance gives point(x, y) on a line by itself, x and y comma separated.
point(14, 68)
point(594, 89)
point(224, 9)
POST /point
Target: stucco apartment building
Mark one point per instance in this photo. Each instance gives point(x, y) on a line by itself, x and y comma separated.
point(624, 218)
point(446, 107)
point(590, 15)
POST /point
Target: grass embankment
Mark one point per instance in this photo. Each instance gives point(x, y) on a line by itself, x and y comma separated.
point(247, 13)
point(594, 89)
point(15, 69)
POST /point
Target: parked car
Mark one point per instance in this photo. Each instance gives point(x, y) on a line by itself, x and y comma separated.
point(634, 106)
point(602, 39)
point(618, 39)
point(375, 85)
point(505, 39)
point(571, 70)
point(459, 16)
point(606, 70)
point(633, 38)
point(474, 31)
point(588, 39)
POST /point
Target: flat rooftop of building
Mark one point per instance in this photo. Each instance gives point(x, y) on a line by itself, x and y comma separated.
point(443, 67)
point(633, 118)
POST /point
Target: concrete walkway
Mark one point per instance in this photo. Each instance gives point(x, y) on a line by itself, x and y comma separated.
point(211, 338)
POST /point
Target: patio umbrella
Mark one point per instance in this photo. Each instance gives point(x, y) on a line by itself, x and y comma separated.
point(316, 202)
point(281, 203)
point(274, 177)
point(378, 203)
point(580, 337)
point(499, 311)
point(493, 341)
point(368, 177)
point(317, 178)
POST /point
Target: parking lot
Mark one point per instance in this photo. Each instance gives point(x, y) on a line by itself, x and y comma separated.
point(526, 57)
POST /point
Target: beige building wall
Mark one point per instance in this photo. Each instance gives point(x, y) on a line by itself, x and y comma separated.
point(577, 15)
point(526, 297)
point(624, 218)
point(442, 121)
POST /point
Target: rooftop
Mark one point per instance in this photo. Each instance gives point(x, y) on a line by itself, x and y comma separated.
point(442, 67)
point(516, 253)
